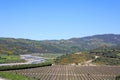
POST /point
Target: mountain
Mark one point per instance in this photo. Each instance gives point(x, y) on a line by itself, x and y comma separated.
point(23, 46)
point(92, 42)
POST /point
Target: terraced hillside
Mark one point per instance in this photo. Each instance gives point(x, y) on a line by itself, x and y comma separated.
point(68, 72)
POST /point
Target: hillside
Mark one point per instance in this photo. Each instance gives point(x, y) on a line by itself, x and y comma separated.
point(23, 46)
point(100, 56)
point(79, 58)
point(107, 56)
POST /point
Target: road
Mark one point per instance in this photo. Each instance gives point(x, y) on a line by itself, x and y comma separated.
point(30, 59)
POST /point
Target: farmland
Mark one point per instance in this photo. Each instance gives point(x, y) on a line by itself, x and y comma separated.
point(69, 72)
point(10, 59)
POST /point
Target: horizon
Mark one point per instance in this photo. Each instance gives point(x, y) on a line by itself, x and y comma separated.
point(62, 38)
point(61, 19)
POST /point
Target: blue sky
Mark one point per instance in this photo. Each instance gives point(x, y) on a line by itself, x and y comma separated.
point(58, 19)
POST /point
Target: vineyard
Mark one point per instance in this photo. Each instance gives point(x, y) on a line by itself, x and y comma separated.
point(69, 72)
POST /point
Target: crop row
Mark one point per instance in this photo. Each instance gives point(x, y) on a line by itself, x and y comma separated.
point(68, 72)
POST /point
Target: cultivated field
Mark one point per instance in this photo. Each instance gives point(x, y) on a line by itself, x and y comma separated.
point(68, 72)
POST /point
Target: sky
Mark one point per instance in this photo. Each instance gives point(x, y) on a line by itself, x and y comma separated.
point(58, 19)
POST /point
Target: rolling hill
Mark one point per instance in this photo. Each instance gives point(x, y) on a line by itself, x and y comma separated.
point(23, 46)
point(100, 56)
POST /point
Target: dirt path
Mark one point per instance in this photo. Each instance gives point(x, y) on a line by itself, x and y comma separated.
point(89, 62)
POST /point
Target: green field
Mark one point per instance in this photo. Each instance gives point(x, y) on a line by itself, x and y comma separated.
point(50, 55)
point(13, 76)
point(10, 59)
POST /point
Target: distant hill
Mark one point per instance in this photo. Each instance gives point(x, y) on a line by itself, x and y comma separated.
point(23, 46)
point(96, 41)
point(107, 55)
point(100, 56)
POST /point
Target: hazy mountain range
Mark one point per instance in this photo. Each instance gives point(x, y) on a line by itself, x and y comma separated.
point(23, 46)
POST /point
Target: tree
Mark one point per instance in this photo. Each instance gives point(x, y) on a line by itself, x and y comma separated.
point(117, 77)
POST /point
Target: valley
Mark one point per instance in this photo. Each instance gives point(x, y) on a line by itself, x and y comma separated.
point(89, 58)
